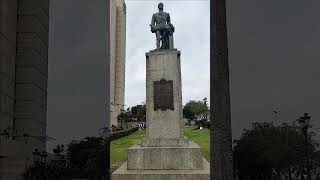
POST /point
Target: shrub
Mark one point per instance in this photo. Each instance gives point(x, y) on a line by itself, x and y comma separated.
point(203, 123)
point(122, 133)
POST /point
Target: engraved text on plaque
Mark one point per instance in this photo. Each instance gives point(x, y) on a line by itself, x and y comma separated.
point(163, 95)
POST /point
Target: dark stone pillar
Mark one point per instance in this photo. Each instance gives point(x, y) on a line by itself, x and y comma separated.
point(31, 74)
point(221, 139)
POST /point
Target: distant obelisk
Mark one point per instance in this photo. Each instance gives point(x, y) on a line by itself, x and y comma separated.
point(221, 143)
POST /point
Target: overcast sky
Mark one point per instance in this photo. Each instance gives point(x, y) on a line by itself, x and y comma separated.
point(274, 60)
point(191, 37)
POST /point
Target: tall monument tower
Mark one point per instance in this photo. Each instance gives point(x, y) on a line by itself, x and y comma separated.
point(117, 58)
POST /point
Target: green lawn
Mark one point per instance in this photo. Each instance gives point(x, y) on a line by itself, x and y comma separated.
point(201, 137)
point(119, 147)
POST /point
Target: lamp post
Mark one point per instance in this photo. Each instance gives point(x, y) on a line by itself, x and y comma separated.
point(5, 133)
point(36, 155)
point(43, 157)
point(205, 103)
point(121, 117)
point(304, 126)
point(39, 159)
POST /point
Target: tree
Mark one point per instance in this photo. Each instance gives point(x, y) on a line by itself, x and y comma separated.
point(59, 150)
point(138, 111)
point(89, 155)
point(265, 147)
point(195, 109)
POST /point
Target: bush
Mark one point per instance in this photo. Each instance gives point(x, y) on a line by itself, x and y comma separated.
point(122, 133)
point(203, 123)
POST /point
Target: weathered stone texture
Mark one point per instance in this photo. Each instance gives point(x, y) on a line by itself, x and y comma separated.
point(32, 69)
point(151, 142)
point(124, 174)
point(164, 124)
point(117, 58)
point(8, 21)
point(24, 26)
point(221, 141)
point(188, 157)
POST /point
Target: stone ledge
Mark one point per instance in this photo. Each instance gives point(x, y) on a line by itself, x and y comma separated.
point(124, 174)
point(173, 158)
point(150, 142)
point(163, 51)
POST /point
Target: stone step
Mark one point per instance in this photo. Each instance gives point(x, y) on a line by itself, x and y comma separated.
point(124, 174)
point(167, 157)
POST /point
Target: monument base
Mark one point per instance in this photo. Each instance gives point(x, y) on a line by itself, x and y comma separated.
point(124, 174)
point(166, 157)
point(149, 142)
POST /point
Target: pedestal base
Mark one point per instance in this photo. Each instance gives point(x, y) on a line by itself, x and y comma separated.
point(171, 158)
point(124, 174)
point(149, 142)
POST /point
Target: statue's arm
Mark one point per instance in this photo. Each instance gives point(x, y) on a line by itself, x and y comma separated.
point(169, 23)
point(152, 23)
point(168, 19)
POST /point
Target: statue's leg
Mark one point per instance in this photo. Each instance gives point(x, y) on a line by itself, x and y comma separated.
point(167, 42)
point(158, 39)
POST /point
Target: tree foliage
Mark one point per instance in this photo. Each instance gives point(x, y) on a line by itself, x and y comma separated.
point(265, 147)
point(195, 110)
point(88, 153)
point(84, 159)
point(138, 111)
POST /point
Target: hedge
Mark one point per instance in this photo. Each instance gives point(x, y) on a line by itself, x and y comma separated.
point(203, 122)
point(122, 133)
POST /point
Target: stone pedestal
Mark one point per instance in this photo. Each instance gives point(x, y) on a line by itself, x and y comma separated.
point(165, 123)
point(166, 157)
point(164, 153)
point(197, 174)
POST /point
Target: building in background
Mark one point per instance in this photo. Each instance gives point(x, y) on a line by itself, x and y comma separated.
point(117, 58)
point(24, 27)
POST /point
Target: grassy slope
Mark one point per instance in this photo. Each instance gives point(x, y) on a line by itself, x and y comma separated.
point(120, 146)
point(201, 137)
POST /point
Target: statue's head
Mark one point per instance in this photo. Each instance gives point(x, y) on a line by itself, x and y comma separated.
point(160, 6)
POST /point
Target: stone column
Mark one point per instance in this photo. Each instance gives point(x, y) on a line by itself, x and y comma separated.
point(221, 142)
point(117, 58)
point(24, 26)
point(120, 58)
point(8, 21)
point(113, 16)
point(32, 74)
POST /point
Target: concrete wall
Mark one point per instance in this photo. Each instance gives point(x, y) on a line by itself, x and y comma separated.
point(32, 71)
point(8, 21)
point(113, 15)
point(117, 58)
point(24, 102)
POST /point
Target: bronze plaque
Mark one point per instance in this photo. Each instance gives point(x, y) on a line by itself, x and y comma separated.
point(163, 94)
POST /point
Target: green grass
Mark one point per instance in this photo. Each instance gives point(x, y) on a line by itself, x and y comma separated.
point(201, 137)
point(119, 147)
